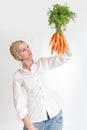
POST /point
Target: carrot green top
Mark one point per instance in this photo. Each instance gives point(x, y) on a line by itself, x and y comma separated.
point(59, 16)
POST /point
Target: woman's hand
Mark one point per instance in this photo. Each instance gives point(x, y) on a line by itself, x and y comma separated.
point(68, 52)
point(33, 128)
point(28, 123)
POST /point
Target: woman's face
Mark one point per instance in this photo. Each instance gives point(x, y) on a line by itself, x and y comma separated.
point(25, 52)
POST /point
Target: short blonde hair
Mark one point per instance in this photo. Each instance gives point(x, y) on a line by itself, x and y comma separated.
point(14, 49)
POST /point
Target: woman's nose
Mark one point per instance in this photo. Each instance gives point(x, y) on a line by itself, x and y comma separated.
point(28, 49)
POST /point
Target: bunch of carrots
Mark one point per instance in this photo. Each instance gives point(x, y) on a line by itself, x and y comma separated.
point(59, 16)
point(58, 43)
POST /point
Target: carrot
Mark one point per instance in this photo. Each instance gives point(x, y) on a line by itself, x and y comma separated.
point(58, 43)
point(64, 46)
point(58, 50)
point(53, 39)
point(57, 40)
point(52, 43)
point(65, 41)
point(61, 44)
point(52, 49)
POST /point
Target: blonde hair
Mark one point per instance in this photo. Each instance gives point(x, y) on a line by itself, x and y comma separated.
point(14, 49)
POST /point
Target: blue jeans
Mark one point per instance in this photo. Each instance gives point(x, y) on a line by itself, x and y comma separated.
point(56, 123)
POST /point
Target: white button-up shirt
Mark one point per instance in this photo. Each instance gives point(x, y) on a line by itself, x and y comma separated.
point(31, 94)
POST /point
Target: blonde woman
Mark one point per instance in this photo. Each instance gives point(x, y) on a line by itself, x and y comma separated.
point(41, 110)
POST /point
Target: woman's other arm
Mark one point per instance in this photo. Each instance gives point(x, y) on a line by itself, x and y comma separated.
point(28, 123)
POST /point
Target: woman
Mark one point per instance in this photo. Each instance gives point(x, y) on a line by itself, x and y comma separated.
point(40, 108)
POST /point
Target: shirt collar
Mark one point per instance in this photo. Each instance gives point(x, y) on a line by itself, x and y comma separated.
point(33, 68)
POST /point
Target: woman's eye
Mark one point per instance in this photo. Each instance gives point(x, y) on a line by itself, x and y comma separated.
point(23, 50)
point(27, 46)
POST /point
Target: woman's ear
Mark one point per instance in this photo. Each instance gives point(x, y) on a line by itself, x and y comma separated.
point(20, 58)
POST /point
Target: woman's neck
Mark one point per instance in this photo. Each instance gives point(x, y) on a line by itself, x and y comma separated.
point(27, 64)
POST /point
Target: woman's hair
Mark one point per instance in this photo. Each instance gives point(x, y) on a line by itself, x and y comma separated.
point(14, 49)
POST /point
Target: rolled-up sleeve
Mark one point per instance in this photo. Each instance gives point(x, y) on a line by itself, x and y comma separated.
point(19, 99)
point(52, 62)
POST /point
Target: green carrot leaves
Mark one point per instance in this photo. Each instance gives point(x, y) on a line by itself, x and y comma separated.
point(59, 16)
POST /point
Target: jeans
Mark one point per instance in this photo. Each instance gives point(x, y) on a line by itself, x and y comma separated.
point(56, 123)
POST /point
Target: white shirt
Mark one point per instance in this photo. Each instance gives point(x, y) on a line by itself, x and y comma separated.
point(40, 99)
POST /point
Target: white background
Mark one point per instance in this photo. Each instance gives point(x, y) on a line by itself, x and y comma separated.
point(27, 20)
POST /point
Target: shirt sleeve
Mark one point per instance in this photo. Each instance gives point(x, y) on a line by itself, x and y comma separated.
point(19, 99)
point(49, 63)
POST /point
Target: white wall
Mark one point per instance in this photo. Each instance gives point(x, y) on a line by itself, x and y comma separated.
point(28, 20)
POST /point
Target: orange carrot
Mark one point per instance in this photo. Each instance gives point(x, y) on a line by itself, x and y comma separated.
point(58, 43)
point(52, 49)
point(58, 50)
point(65, 41)
point(61, 44)
point(52, 39)
point(57, 40)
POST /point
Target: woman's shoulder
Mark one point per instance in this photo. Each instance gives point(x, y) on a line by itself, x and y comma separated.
point(17, 74)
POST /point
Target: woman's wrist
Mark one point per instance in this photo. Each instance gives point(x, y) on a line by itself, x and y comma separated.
point(28, 124)
point(32, 128)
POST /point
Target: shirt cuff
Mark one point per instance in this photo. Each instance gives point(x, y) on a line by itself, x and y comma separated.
point(22, 114)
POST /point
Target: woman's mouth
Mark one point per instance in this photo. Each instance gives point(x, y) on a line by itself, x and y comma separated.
point(30, 53)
